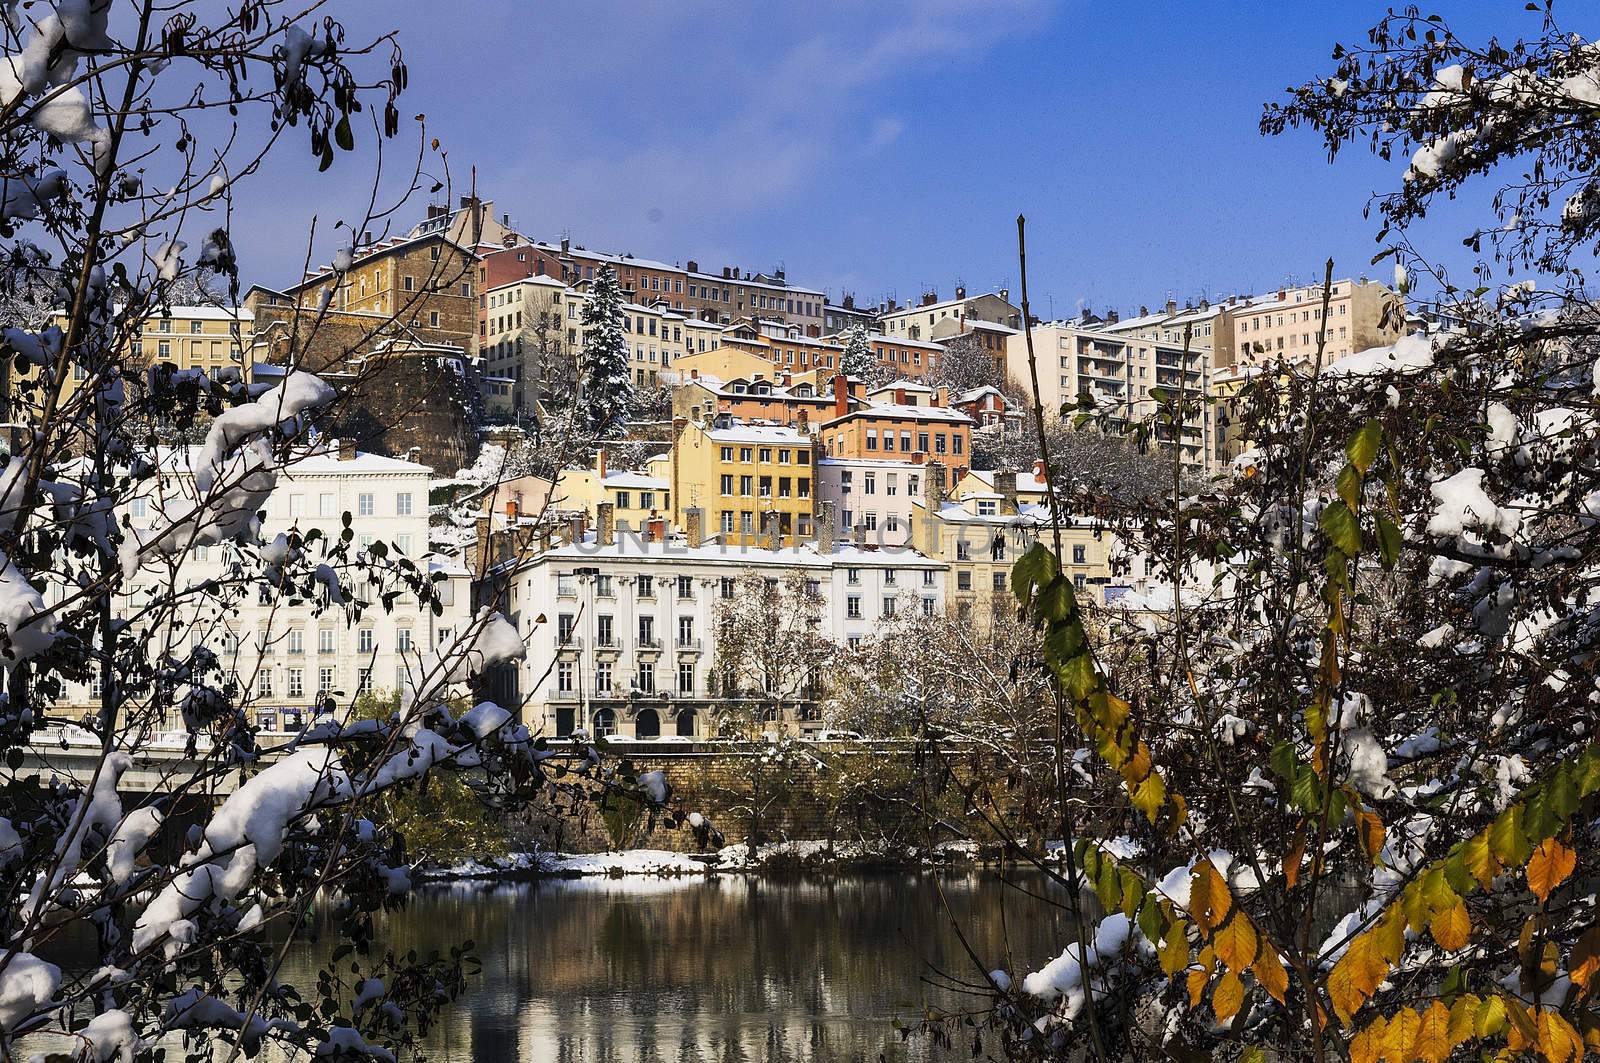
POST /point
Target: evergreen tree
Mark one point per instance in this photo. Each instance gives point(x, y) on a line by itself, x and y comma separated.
point(857, 359)
point(607, 393)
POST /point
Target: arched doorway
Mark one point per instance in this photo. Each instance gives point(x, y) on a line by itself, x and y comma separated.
point(605, 723)
point(647, 724)
point(686, 723)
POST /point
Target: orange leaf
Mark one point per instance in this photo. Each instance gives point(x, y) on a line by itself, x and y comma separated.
point(1209, 899)
point(1370, 829)
point(1451, 927)
point(1270, 972)
point(1463, 1019)
point(1549, 866)
point(1557, 1041)
point(1227, 997)
point(1295, 856)
point(1584, 962)
point(1197, 981)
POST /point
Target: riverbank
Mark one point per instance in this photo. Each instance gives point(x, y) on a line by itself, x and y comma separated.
point(732, 859)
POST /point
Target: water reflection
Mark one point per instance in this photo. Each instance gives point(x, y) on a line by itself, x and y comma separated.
point(729, 969)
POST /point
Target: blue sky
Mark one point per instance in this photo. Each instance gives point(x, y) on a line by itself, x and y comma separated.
point(882, 146)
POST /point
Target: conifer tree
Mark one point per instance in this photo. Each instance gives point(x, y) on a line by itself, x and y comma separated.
point(857, 359)
point(607, 393)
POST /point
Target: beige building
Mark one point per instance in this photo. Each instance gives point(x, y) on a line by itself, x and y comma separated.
point(656, 335)
point(933, 319)
point(522, 337)
point(1361, 314)
point(1119, 373)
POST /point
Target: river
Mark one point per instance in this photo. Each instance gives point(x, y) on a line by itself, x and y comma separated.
point(786, 970)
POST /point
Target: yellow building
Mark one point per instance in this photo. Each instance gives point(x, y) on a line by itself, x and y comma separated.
point(991, 484)
point(724, 363)
point(635, 497)
point(743, 476)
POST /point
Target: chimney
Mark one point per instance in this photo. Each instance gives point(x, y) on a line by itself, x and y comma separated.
point(841, 395)
point(1038, 469)
point(825, 529)
point(347, 448)
point(1172, 307)
point(1282, 295)
point(929, 298)
point(899, 396)
point(566, 244)
point(774, 534)
point(1005, 294)
point(694, 267)
point(941, 395)
point(694, 527)
point(606, 515)
point(802, 419)
point(511, 510)
point(1144, 311)
point(849, 301)
point(483, 548)
point(655, 529)
point(544, 537)
point(694, 374)
point(1005, 482)
point(961, 291)
point(600, 463)
point(933, 486)
point(1112, 317)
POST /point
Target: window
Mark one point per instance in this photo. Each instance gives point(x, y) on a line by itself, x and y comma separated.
point(888, 607)
point(1080, 555)
point(999, 582)
point(890, 578)
point(325, 682)
point(602, 587)
point(727, 453)
point(725, 588)
point(685, 587)
point(686, 631)
point(364, 640)
point(647, 586)
point(564, 672)
point(296, 640)
point(325, 505)
point(927, 577)
point(623, 499)
point(745, 485)
point(602, 678)
point(727, 484)
point(852, 576)
point(297, 505)
point(852, 607)
point(327, 640)
point(364, 504)
point(297, 683)
point(602, 630)
point(927, 607)
point(963, 580)
point(402, 639)
point(264, 683)
point(646, 679)
point(402, 504)
point(685, 677)
point(647, 631)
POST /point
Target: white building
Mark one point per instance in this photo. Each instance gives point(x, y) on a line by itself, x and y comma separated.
point(285, 655)
point(622, 636)
point(872, 498)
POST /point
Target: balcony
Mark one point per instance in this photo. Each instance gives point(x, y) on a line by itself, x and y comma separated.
point(648, 644)
point(611, 646)
point(688, 645)
point(569, 644)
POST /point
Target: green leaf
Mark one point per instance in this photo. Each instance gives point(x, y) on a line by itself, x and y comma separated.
point(343, 135)
point(1363, 446)
point(1151, 920)
point(1033, 570)
point(1349, 487)
point(1338, 523)
point(1283, 760)
point(1389, 541)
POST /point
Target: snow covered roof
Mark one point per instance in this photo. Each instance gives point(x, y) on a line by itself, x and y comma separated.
point(1026, 481)
point(548, 282)
point(637, 481)
point(906, 413)
point(908, 386)
point(633, 547)
point(946, 303)
point(901, 341)
point(323, 462)
point(977, 393)
point(200, 313)
point(759, 433)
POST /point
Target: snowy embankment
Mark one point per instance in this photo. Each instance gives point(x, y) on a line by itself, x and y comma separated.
point(732, 859)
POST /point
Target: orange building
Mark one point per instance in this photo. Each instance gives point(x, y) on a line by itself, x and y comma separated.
point(896, 431)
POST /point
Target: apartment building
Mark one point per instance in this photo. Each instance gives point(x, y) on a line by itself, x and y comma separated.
point(1362, 314)
point(871, 499)
point(841, 318)
point(632, 624)
point(472, 223)
point(754, 480)
point(1119, 373)
point(786, 346)
point(797, 404)
point(635, 496)
point(981, 535)
point(285, 656)
point(522, 338)
point(897, 429)
point(656, 335)
point(920, 322)
point(906, 358)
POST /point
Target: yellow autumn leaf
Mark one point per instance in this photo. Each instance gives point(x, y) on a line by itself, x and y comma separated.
point(1556, 1039)
point(1452, 926)
point(1463, 1019)
point(1197, 980)
point(1149, 796)
point(1236, 943)
point(1479, 859)
point(1370, 829)
point(1433, 1034)
point(1227, 997)
point(1367, 1044)
point(1400, 1037)
point(1175, 949)
point(1355, 976)
point(1270, 972)
point(1549, 866)
point(1491, 1018)
point(1209, 899)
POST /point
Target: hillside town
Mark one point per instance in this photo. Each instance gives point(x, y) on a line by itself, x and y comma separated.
point(765, 428)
